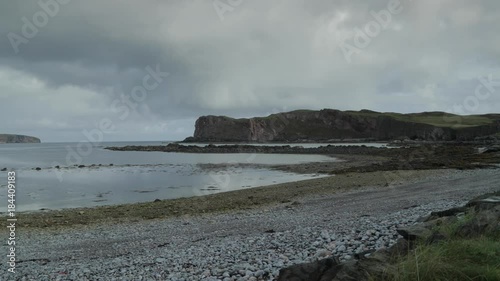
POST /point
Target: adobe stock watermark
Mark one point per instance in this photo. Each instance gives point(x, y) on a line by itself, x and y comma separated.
point(222, 178)
point(225, 6)
point(487, 85)
point(405, 169)
point(40, 19)
point(123, 107)
point(485, 88)
point(363, 36)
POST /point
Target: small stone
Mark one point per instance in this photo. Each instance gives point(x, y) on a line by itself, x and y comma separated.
point(322, 254)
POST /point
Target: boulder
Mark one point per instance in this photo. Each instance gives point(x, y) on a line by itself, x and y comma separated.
point(485, 202)
point(415, 232)
point(446, 213)
point(373, 267)
point(401, 248)
point(486, 221)
point(322, 270)
point(426, 231)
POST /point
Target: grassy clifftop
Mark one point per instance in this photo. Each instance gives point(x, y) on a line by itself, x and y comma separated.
point(435, 118)
point(331, 124)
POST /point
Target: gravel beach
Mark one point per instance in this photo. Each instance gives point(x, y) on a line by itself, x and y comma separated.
point(244, 244)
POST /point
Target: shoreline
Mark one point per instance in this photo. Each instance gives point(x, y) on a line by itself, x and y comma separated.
point(362, 166)
point(246, 199)
point(309, 170)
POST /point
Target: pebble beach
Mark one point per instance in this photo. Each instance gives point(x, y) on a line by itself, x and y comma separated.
point(244, 244)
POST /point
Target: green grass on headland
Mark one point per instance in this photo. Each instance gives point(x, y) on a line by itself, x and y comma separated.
point(439, 119)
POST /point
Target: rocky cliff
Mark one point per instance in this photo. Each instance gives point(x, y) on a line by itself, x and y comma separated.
point(330, 124)
point(7, 138)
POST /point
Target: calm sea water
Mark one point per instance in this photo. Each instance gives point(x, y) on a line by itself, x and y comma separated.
point(133, 177)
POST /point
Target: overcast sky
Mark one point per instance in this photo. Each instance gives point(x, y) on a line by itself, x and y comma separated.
point(66, 66)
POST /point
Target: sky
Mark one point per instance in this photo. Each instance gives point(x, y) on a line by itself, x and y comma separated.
point(127, 70)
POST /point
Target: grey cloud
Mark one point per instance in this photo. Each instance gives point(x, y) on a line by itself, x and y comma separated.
point(264, 57)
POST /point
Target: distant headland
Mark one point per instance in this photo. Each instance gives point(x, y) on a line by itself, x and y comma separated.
point(9, 138)
point(329, 125)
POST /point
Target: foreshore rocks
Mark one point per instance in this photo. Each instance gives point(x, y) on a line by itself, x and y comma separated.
point(415, 157)
point(376, 265)
point(327, 149)
point(243, 148)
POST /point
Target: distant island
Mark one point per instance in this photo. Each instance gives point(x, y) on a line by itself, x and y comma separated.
point(9, 138)
point(330, 125)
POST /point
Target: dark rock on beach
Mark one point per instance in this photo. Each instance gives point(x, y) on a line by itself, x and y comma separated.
point(322, 270)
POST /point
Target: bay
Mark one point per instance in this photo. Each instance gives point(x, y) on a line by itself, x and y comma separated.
point(117, 177)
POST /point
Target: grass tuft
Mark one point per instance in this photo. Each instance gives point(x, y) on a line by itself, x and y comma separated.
point(461, 259)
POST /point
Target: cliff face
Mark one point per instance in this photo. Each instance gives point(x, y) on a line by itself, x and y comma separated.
point(331, 124)
point(6, 138)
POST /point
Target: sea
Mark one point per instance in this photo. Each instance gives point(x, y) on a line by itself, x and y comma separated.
point(91, 176)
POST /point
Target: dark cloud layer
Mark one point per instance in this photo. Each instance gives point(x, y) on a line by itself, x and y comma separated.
point(238, 58)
